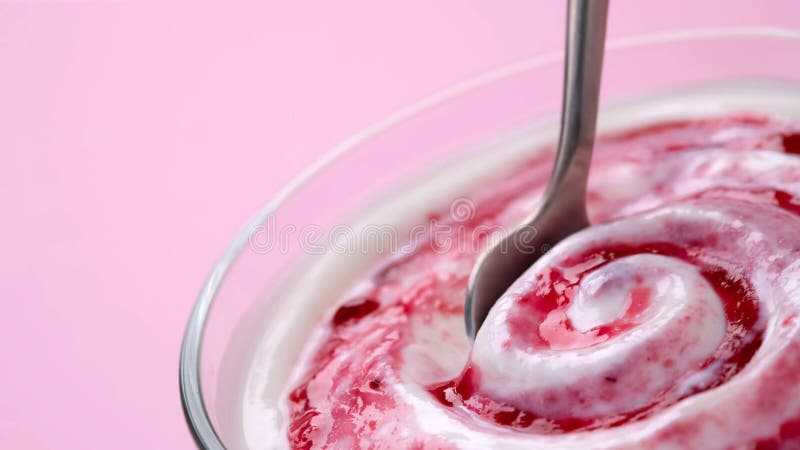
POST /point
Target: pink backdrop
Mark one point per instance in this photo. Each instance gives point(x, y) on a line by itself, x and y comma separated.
point(137, 137)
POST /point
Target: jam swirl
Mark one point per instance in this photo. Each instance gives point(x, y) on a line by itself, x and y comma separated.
point(672, 322)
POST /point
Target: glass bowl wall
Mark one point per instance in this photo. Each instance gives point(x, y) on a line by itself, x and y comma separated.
point(243, 288)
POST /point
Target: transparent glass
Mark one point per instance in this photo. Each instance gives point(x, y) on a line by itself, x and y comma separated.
point(243, 288)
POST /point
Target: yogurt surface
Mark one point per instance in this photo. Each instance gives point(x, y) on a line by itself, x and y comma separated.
point(672, 322)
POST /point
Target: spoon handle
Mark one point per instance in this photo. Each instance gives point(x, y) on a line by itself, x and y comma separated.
point(586, 32)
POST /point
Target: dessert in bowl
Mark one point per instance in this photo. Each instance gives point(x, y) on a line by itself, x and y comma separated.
point(672, 322)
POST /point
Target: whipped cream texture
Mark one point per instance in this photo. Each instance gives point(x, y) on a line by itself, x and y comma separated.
point(672, 322)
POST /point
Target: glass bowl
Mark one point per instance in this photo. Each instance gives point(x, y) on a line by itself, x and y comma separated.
point(244, 287)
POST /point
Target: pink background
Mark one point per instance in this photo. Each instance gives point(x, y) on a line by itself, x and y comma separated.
point(136, 138)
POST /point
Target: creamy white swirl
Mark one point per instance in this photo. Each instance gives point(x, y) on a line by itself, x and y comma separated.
point(666, 320)
point(675, 319)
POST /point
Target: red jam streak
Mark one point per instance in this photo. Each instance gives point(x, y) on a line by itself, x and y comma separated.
point(777, 197)
point(552, 293)
point(542, 319)
point(791, 143)
point(354, 311)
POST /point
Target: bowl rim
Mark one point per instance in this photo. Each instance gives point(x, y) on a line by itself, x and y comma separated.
point(194, 408)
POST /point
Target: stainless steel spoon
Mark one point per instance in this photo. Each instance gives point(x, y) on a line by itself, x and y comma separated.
point(562, 210)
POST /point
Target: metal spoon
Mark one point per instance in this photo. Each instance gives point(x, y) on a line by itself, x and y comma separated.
point(562, 210)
